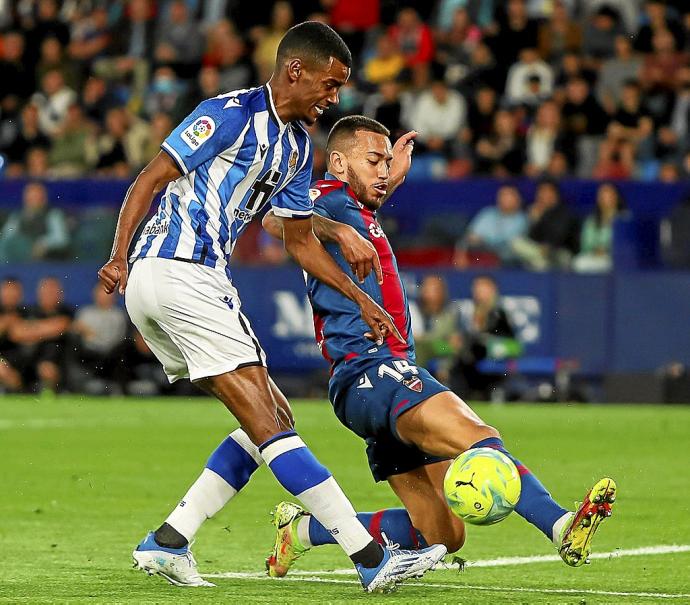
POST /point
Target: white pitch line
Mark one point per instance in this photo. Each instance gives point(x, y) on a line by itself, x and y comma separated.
point(663, 549)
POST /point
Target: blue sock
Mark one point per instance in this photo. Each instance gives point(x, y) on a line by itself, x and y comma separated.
point(233, 461)
point(394, 522)
point(536, 504)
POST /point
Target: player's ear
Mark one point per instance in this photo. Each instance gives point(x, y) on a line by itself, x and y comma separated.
point(294, 69)
point(337, 163)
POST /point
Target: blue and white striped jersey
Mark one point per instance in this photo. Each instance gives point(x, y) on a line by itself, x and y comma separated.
point(235, 155)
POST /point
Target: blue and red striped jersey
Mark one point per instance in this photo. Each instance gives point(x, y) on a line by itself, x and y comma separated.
point(337, 320)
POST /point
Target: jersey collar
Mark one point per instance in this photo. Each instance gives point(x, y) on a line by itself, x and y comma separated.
point(346, 186)
point(270, 105)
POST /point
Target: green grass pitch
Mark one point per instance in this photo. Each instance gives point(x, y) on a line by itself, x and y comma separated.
point(83, 479)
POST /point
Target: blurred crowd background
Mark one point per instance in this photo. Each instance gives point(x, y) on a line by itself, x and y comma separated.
point(560, 128)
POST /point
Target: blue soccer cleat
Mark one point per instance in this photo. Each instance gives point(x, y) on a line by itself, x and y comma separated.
point(399, 565)
point(176, 565)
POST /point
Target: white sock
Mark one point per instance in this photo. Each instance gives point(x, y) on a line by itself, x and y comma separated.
point(329, 505)
point(291, 462)
point(558, 528)
point(209, 493)
point(303, 531)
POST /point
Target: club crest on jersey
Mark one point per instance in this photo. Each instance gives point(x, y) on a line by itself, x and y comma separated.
point(196, 134)
point(414, 383)
point(375, 230)
point(292, 160)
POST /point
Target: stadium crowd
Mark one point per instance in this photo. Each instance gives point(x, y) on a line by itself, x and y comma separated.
point(593, 88)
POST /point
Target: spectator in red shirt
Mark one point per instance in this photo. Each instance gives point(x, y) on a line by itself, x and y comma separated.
point(413, 37)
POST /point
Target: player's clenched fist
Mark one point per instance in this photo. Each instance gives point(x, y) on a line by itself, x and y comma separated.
point(111, 274)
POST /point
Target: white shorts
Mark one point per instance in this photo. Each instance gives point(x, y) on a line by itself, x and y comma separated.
point(189, 315)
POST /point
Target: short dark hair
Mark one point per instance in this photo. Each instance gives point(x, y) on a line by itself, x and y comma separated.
point(314, 41)
point(346, 127)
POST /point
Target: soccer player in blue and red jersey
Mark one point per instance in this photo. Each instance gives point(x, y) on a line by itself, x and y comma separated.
point(412, 424)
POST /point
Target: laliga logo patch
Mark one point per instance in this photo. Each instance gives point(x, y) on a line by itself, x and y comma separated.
point(414, 384)
point(196, 134)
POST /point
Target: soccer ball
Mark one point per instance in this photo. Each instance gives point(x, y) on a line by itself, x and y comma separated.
point(482, 486)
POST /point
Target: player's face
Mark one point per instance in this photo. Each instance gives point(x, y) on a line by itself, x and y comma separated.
point(368, 167)
point(317, 88)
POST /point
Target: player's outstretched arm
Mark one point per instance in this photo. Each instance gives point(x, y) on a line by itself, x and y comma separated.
point(359, 252)
point(156, 175)
point(306, 249)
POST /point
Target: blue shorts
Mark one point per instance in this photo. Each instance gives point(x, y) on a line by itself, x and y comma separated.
point(369, 398)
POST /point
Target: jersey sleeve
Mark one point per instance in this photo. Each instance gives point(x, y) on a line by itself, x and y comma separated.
point(294, 201)
point(329, 202)
point(206, 132)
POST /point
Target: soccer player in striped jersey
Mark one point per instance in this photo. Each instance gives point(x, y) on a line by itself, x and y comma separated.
point(412, 424)
point(234, 154)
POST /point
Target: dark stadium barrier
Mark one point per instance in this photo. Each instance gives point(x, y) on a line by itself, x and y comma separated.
point(619, 323)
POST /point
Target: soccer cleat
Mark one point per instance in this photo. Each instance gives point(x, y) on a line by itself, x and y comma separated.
point(576, 538)
point(287, 548)
point(399, 565)
point(176, 565)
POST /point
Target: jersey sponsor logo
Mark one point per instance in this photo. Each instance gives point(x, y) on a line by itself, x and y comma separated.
point(313, 194)
point(364, 383)
point(196, 134)
point(376, 231)
point(157, 228)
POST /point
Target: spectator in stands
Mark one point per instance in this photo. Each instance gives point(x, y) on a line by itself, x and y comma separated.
point(413, 37)
point(53, 57)
point(179, 40)
point(502, 153)
point(353, 19)
point(480, 115)
point(68, 155)
point(600, 34)
point(236, 71)
point(482, 70)
point(282, 19)
point(615, 72)
point(386, 64)
point(207, 85)
point(584, 122)
point(44, 335)
point(657, 20)
point(513, 32)
point(456, 45)
point(37, 165)
point(662, 66)
point(543, 138)
point(437, 116)
point(96, 99)
point(615, 160)
point(90, 37)
point(596, 237)
point(630, 122)
point(485, 330)
point(12, 356)
point(522, 76)
point(161, 125)
point(36, 232)
point(47, 24)
point(386, 107)
point(16, 74)
point(559, 35)
point(495, 228)
point(436, 333)
point(680, 115)
point(111, 146)
point(53, 101)
point(100, 329)
point(28, 136)
point(552, 237)
point(165, 91)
